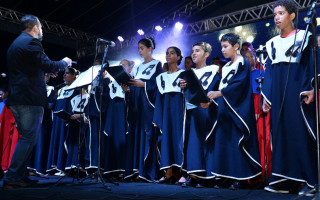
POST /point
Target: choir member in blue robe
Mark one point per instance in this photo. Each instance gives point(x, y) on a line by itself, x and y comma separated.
point(40, 153)
point(169, 114)
point(74, 140)
point(288, 83)
point(235, 154)
point(116, 127)
point(142, 157)
point(57, 150)
point(92, 117)
point(200, 120)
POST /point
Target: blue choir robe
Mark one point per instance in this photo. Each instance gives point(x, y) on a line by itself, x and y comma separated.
point(93, 115)
point(75, 134)
point(57, 150)
point(141, 156)
point(115, 130)
point(198, 125)
point(293, 133)
point(235, 153)
point(168, 116)
point(38, 161)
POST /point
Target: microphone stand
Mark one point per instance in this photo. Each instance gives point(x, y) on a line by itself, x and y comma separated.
point(259, 80)
point(313, 22)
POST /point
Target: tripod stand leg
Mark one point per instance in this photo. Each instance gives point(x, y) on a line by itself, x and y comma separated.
point(99, 176)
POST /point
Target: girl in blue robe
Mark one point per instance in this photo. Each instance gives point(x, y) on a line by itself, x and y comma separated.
point(116, 127)
point(288, 82)
point(74, 140)
point(93, 122)
point(168, 115)
point(57, 151)
point(235, 153)
point(200, 120)
point(39, 157)
point(141, 146)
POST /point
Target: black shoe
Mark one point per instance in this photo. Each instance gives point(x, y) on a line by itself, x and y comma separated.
point(306, 191)
point(166, 180)
point(284, 187)
point(30, 181)
point(188, 183)
point(178, 183)
point(235, 185)
point(276, 189)
point(15, 184)
point(224, 183)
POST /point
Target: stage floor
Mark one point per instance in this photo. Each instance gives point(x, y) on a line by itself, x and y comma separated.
point(46, 189)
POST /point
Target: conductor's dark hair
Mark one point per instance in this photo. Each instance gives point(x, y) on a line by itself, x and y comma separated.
point(290, 6)
point(27, 22)
point(148, 42)
point(178, 52)
point(4, 88)
point(231, 38)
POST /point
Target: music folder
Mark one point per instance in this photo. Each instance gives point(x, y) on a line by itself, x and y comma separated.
point(194, 92)
point(120, 74)
point(64, 115)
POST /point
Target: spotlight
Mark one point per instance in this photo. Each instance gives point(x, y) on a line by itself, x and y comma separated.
point(140, 31)
point(178, 25)
point(244, 33)
point(220, 36)
point(318, 21)
point(238, 28)
point(267, 24)
point(250, 38)
point(158, 28)
point(120, 38)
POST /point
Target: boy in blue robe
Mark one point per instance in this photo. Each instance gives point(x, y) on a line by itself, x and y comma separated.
point(287, 93)
point(235, 153)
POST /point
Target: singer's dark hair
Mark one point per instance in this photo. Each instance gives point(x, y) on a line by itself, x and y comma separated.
point(4, 88)
point(73, 71)
point(232, 38)
point(148, 42)
point(290, 6)
point(27, 22)
point(178, 52)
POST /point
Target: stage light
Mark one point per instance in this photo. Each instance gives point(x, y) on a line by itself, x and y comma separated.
point(267, 24)
point(318, 21)
point(120, 38)
point(220, 36)
point(244, 33)
point(178, 25)
point(140, 32)
point(238, 28)
point(137, 62)
point(250, 38)
point(158, 28)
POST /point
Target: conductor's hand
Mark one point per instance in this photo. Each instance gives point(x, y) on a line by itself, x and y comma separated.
point(205, 105)
point(75, 116)
point(136, 83)
point(68, 61)
point(265, 107)
point(309, 96)
point(53, 75)
point(183, 84)
point(125, 88)
point(214, 94)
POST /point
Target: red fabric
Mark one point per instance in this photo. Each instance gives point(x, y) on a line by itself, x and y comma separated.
point(259, 122)
point(9, 137)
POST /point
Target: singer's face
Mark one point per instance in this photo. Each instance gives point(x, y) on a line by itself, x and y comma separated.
point(227, 49)
point(188, 63)
point(282, 18)
point(251, 58)
point(171, 56)
point(198, 54)
point(144, 51)
point(68, 77)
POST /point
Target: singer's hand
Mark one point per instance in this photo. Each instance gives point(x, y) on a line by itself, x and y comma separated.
point(125, 88)
point(136, 83)
point(53, 75)
point(309, 96)
point(214, 94)
point(205, 105)
point(183, 84)
point(265, 107)
point(68, 61)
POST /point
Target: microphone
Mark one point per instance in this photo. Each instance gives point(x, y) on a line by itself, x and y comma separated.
point(3, 75)
point(57, 87)
point(107, 42)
